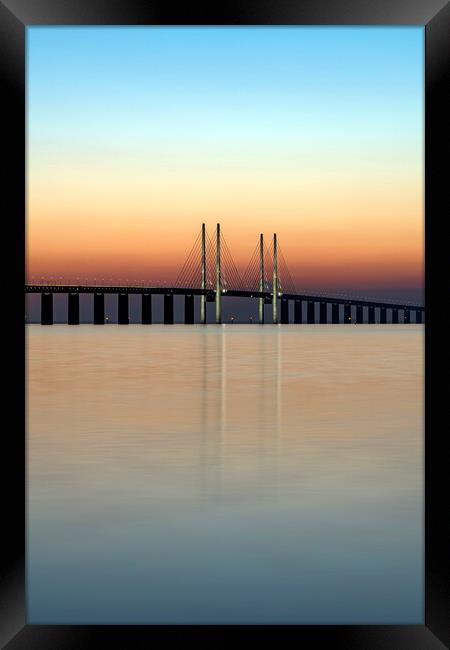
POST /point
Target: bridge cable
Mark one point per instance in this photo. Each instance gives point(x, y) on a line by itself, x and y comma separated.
point(186, 265)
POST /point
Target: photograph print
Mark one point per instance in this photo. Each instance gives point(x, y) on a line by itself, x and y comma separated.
point(225, 325)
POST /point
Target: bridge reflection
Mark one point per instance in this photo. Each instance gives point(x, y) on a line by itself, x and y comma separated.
point(225, 403)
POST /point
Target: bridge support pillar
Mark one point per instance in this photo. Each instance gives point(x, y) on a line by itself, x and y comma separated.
point(99, 308)
point(383, 318)
point(146, 317)
point(46, 309)
point(310, 313)
point(203, 301)
point(73, 309)
point(323, 313)
point(335, 313)
point(261, 311)
point(123, 318)
point(189, 309)
point(395, 316)
point(406, 316)
point(371, 318)
point(418, 316)
point(347, 314)
point(284, 311)
point(168, 309)
point(359, 314)
point(297, 311)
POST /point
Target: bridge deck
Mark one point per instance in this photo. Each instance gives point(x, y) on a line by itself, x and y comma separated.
point(60, 288)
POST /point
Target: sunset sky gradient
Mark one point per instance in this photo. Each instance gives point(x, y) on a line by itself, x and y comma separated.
point(137, 135)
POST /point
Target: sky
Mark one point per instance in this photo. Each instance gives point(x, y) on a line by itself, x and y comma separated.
point(137, 135)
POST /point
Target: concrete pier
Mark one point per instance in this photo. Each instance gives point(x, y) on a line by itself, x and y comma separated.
point(323, 313)
point(395, 316)
point(371, 319)
point(146, 316)
point(359, 314)
point(310, 313)
point(347, 314)
point(284, 311)
point(383, 316)
point(335, 313)
point(73, 308)
point(123, 318)
point(168, 309)
point(189, 309)
point(418, 316)
point(406, 316)
point(46, 309)
point(297, 311)
point(99, 308)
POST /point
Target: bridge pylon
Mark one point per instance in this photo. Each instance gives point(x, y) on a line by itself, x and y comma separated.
point(218, 279)
point(203, 280)
point(261, 278)
point(275, 282)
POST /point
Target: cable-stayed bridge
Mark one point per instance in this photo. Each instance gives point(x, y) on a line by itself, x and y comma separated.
point(210, 272)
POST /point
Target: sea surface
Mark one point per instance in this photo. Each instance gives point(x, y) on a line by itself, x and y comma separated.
point(225, 474)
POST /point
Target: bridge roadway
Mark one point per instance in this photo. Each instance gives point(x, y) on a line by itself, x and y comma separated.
point(236, 293)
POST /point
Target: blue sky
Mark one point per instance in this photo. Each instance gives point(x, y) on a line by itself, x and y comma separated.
point(316, 129)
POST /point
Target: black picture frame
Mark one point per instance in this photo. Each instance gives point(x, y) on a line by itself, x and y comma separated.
point(15, 16)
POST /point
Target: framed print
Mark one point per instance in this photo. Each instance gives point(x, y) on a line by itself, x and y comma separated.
point(229, 230)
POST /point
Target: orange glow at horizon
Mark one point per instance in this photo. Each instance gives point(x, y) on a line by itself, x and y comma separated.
point(341, 236)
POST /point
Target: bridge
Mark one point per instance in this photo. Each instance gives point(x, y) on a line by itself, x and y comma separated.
point(209, 272)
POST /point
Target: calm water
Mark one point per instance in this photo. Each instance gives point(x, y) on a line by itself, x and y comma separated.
point(234, 474)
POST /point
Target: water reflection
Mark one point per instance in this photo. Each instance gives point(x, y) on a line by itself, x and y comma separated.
point(241, 414)
point(225, 474)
